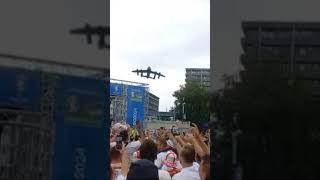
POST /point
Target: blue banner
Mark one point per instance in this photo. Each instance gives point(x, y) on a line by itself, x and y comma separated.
point(20, 89)
point(135, 104)
point(116, 89)
point(81, 143)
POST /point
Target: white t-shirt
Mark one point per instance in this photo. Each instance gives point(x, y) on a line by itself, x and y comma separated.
point(133, 147)
point(159, 161)
point(119, 175)
point(196, 165)
point(163, 175)
point(190, 173)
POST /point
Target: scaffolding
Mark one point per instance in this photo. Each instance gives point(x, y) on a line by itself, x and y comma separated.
point(27, 136)
point(118, 104)
point(118, 108)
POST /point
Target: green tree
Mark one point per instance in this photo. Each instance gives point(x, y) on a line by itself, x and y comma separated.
point(276, 117)
point(195, 100)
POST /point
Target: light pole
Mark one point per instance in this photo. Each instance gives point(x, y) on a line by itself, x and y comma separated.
point(183, 110)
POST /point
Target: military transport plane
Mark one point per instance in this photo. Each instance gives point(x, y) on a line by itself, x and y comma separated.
point(148, 72)
point(89, 31)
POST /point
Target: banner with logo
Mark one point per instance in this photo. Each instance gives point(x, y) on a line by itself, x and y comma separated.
point(81, 129)
point(135, 104)
point(116, 89)
point(20, 88)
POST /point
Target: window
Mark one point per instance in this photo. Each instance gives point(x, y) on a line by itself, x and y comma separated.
point(252, 34)
point(252, 51)
point(302, 52)
point(302, 67)
point(275, 51)
point(307, 35)
point(304, 34)
point(285, 67)
point(267, 35)
point(316, 67)
point(305, 52)
point(276, 35)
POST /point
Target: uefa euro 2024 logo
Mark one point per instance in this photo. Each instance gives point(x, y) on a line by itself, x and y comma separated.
point(116, 88)
point(72, 103)
point(136, 96)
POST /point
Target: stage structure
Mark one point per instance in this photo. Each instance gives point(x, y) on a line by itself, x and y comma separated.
point(127, 101)
point(38, 132)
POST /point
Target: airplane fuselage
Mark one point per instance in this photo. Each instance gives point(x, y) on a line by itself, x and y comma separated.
point(148, 72)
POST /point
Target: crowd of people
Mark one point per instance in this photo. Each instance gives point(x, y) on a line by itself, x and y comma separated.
point(159, 154)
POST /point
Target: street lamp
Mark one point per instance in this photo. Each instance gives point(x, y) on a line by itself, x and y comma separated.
point(183, 110)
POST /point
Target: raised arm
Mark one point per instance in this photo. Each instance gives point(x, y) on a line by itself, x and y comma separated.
point(125, 160)
point(197, 141)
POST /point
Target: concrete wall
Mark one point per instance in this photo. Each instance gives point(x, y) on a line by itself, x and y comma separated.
point(154, 124)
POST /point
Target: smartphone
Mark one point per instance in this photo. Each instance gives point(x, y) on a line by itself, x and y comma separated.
point(119, 143)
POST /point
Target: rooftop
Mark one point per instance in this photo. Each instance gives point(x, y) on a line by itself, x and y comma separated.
point(199, 68)
point(280, 24)
point(51, 66)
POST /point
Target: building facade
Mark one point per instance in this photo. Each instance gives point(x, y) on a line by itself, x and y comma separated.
point(295, 45)
point(166, 116)
point(201, 75)
point(151, 106)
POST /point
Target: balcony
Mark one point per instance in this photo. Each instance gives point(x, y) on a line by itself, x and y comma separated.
point(276, 37)
point(246, 58)
point(308, 42)
point(316, 91)
point(307, 38)
point(307, 59)
point(250, 50)
point(311, 75)
point(249, 42)
point(307, 53)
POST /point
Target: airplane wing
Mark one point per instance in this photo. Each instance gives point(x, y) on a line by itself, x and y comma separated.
point(103, 30)
point(140, 71)
point(153, 72)
point(143, 71)
point(78, 31)
point(159, 74)
point(85, 30)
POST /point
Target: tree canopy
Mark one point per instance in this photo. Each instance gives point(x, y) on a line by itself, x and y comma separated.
point(196, 102)
point(276, 115)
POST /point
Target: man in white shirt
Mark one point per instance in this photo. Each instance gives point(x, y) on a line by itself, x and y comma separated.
point(148, 151)
point(190, 170)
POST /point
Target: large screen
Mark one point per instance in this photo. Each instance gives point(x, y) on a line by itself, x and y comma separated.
point(20, 89)
point(135, 104)
point(81, 129)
